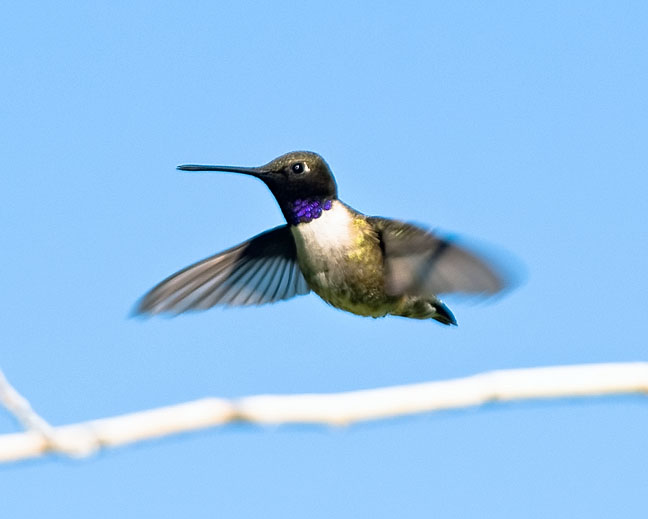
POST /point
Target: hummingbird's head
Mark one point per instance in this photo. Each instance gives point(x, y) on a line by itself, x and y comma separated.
point(295, 176)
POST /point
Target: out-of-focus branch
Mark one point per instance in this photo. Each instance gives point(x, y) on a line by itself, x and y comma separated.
point(19, 406)
point(327, 409)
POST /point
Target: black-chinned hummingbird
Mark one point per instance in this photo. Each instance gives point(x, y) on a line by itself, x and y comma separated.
point(366, 265)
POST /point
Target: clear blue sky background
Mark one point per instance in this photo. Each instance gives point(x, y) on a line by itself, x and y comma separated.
point(522, 124)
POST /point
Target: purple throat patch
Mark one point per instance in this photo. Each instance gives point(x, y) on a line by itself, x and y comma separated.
point(304, 211)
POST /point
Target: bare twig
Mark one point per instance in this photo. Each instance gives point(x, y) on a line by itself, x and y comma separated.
point(327, 409)
point(19, 406)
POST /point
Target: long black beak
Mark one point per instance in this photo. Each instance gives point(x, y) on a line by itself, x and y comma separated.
point(255, 172)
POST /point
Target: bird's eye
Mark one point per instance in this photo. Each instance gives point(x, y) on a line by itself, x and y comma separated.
point(299, 167)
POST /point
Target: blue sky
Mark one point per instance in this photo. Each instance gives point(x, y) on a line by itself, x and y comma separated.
point(520, 124)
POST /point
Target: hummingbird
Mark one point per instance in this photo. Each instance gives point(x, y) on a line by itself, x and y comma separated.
point(366, 265)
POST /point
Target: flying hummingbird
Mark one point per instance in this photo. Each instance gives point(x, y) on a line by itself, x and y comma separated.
point(366, 265)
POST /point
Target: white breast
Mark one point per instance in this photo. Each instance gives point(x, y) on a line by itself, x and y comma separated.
point(330, 233)
point(327, 252)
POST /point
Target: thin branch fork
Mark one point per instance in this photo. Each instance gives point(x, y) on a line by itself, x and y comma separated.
point(83, 439)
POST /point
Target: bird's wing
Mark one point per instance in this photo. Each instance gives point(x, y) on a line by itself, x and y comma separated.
point(258, 271)
point(418, 262)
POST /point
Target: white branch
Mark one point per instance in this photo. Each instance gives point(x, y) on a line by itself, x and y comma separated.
point(19, 406)
point(328, 409)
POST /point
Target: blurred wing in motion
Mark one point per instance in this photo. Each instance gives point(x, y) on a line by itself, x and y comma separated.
point(258, 271)
point(420, 263)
